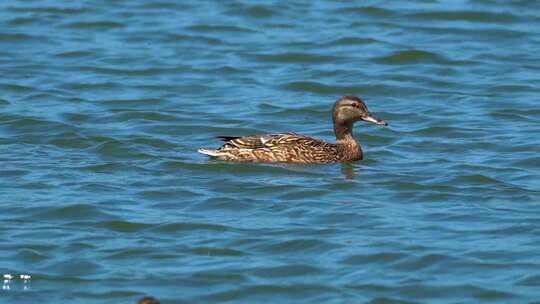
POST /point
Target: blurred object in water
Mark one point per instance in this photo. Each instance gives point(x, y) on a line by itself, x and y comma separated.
point(148, 300)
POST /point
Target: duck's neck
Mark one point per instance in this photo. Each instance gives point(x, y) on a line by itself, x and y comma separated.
point(348, 147)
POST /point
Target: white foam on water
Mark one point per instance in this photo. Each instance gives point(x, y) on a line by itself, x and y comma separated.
point(8, 279)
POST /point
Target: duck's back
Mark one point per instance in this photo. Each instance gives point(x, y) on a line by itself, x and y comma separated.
point(285, 147)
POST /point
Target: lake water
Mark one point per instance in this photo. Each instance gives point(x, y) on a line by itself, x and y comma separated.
point(104, 199)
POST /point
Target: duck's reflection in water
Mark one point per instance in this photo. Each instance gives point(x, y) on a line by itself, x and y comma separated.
point(349, 171)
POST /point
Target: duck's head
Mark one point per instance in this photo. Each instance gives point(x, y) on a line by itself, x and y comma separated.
point(349, 109)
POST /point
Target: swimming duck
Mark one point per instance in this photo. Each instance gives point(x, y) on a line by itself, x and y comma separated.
point(296, 148)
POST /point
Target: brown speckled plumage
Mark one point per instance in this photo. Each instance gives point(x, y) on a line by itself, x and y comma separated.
point(296, 148)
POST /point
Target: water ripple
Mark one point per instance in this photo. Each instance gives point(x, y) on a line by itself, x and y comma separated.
point(105, 199)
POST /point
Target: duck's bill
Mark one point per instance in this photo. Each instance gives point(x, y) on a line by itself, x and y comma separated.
point(375, 120)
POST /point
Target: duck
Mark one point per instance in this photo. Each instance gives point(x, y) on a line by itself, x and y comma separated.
point(297, 148)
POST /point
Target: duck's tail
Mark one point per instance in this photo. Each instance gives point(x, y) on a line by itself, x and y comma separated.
point(209, 152)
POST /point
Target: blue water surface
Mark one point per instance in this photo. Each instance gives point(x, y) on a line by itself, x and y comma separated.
point(104, 199)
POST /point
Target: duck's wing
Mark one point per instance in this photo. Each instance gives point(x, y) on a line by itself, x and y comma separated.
point(283, 147)
point(269, 141)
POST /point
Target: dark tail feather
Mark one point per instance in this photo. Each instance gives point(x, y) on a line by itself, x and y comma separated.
point(227, 138)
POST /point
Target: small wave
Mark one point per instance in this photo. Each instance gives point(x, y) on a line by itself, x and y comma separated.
point(530, 280)
point(509, 115)
point(298, 58)
point(303, 194)
point(512, 88)
point(194, 39)
point(377, 258)
point(129, 72)
point(352, 41)
point(31, 255)
point(164, 5)
point(131, 253)
point(410, 57)
point(16, 88)
point(122, 226)
point(29, 125)
point(423, 261)
point(219, 28)
point(76, 267)
point(310, 293)
point(69, 213)
point(298, 246)
point(477, 34)
point(64, 9)
point(476, 179)
point(214, 251)
point(108, 167)
point(69, 140)
point(20, 21)
point(120, 149)
point(189, 227)
point(106, 295)
point(13, 173)
point(254, 11)
point(216, 276)
point(128, 115)
point(287, 271)
point(95, 25)
point(132, 104)
point(316, 87)
point(471, 16)
point(79, 86)
point(371, 11)
point(225, 70)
